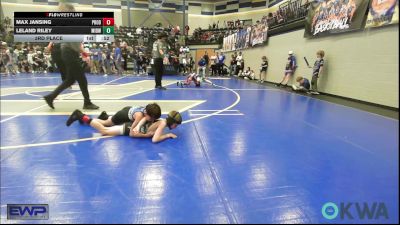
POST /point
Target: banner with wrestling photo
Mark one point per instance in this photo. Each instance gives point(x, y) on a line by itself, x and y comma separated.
point(234, 40)
point(225, 44)
point(259, 34)
point(383, 12)
point(241, 39)
point(248, 37)
point(335, 16)
point(228, 42)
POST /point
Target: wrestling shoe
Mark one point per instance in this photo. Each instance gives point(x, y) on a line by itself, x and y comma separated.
point(76, 115)
point(90, 106)
point(103, 116)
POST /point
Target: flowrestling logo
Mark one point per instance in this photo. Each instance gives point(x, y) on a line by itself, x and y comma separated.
point(352, 210)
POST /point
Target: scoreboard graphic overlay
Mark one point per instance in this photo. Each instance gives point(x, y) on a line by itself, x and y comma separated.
point(64, 26)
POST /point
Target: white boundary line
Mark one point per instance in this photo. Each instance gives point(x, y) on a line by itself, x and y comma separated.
point(55, 142)
point(217, 89)
point(219, 111)
point(31, 78)
point(95, 138)
point(97, 88)
point(206, 110)
point(191, 106)
point(110, 100)
point(28, 92)
point(139, 90)
point(195, 103)
point(219, 78)
point(10, 118)
point(191, 120)
point(220, 114)
point(16, 88)
point(20, 114)
point(144, 90)
point(339, 105)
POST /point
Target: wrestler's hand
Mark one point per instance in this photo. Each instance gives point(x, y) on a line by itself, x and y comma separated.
point(171, 135)
point(135, 130)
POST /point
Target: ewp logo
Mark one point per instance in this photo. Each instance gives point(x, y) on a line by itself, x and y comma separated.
point(331, 211)
point(28, 212)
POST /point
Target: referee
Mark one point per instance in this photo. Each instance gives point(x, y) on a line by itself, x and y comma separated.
point(159, 50)
point(55, 49)
point(74, 70)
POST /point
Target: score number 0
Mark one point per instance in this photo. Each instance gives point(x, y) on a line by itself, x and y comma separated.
point(108, 21)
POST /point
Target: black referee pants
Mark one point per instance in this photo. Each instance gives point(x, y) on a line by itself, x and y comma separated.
point(74, 72)
point(158, 70)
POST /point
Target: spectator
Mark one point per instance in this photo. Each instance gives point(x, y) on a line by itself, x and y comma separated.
point(317, 70)
point(304, 85)
point(263, 69)
point(191, 63)
point(221, 63)
point(247, 74)
point(187, 28)
point(95, 59)
point(102, 57)
point(233, 65)
point(239, 63)
point(8, 60)
point(118, 58)
point(290, 68)
point(108, 60)
point(139, 63)
point(214, 64)
point(124, 54)
point(202, 65)
point(207, 59)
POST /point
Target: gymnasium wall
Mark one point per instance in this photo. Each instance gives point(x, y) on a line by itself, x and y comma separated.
point(360, 65)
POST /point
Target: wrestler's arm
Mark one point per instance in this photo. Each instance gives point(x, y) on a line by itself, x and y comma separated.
point(138, 116)
point(135, 129)
point(158, 134)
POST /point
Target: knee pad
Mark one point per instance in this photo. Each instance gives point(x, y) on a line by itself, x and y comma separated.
point(126, 129)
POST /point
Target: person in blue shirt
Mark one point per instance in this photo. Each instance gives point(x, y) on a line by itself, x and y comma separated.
point(202, 64)
point(317, 70)
point(108, 60)
point(304, 85)
point(95, 59)
point(101, 56)
point(290, 68)
point(118, 58)
point(221, 63)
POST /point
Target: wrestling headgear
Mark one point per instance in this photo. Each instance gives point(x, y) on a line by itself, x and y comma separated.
point(173, 117)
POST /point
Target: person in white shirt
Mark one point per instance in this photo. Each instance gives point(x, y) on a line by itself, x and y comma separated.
point(31, 62)
point(239, 62)
point(247, 74)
